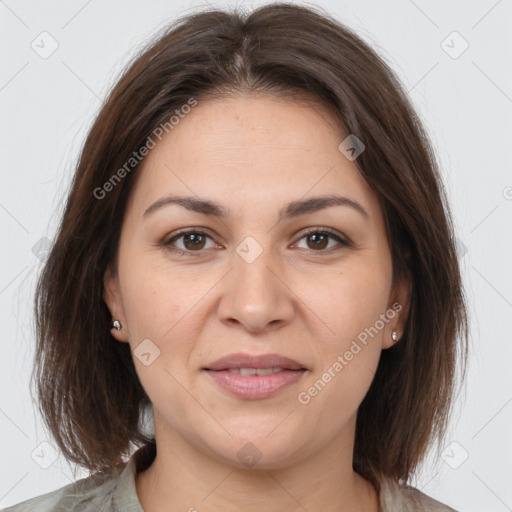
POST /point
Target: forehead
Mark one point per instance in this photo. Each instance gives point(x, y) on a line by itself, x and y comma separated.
point(252, 150)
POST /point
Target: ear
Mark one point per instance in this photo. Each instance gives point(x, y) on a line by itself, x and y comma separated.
point(397, 311)
point(112, 298)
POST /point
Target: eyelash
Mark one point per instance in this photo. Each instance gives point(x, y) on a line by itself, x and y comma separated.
point(311, 231)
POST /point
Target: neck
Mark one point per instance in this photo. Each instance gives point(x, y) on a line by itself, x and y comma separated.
point(183, 477)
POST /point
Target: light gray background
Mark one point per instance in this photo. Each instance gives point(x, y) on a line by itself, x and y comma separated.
point(47, 106)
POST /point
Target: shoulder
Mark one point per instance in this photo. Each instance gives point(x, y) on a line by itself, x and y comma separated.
point(89, 494)
point(106, 490)
point(404, 497)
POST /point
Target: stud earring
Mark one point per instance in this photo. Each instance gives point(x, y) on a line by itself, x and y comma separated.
point(116, 324)
point(394, 336)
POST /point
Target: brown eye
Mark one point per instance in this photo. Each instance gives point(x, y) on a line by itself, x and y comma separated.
point(191, 241)
point(318, 240)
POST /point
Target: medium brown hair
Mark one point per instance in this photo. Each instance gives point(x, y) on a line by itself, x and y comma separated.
point(89, 394)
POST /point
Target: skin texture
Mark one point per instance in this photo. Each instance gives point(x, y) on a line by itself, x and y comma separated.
point(253, 154)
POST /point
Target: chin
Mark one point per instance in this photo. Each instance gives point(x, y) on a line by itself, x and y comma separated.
point(256, 450)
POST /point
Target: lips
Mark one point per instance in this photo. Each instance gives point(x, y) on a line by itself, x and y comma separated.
point(265, 361)
point(255, 377)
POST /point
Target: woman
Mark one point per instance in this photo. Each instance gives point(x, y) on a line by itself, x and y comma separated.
point(258, 251)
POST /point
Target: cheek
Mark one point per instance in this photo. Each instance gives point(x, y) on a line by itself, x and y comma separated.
point(154, 295)
point(159, 326)
point(351, 303)
point(348, 362)
point(353, 310)
point(166, 308)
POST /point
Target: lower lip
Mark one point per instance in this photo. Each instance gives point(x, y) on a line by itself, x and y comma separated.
point(253, 387)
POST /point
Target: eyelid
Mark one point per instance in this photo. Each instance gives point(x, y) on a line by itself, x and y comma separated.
point(186, 231)
point(342, 240)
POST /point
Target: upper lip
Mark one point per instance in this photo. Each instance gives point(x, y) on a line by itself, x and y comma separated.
point(241, 360)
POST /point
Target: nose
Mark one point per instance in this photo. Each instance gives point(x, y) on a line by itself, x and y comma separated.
point(255, 295)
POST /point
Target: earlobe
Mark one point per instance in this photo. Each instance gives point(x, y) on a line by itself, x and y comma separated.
point(399, 309)
point(112, 298)
point(390, 339)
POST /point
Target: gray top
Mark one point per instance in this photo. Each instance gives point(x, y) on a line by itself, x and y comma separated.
point(117, 493)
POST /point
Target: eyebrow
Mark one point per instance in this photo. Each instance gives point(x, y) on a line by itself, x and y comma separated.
point(291, 210)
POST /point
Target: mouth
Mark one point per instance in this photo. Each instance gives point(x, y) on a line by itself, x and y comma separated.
point(255, 377)
point(262, 362)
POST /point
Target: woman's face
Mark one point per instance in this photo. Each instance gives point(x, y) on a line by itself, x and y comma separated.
point(253, 281)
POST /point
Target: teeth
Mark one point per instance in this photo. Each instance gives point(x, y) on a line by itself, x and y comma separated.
point(254, 371)
point(265, 371)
